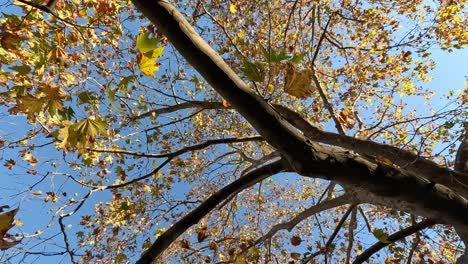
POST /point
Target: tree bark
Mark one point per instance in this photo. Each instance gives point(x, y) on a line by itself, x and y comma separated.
point(367, 181)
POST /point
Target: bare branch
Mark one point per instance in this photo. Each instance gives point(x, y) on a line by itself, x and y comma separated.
point(328, 204)
point(181, 106)
point(393, 238)
point(335, 232)
point(180, 151)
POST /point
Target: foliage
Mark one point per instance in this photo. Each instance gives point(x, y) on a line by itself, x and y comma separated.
point(115, 133)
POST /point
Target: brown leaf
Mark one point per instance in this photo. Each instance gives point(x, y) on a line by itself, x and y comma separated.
point(298, 82)
point(296, 240)
point(10, 164)
point(346, 118)
point(184, 244)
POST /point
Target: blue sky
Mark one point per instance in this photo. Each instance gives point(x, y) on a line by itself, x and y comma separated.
point(450, 73)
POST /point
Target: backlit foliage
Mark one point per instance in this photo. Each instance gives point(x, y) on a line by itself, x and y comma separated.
point(104, 112)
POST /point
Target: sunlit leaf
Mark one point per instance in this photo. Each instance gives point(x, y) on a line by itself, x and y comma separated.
point(298, 82)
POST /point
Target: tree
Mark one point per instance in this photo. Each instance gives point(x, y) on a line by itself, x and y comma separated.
point(188, 155)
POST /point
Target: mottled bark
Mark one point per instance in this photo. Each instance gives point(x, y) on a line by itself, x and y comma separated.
point(365, 179)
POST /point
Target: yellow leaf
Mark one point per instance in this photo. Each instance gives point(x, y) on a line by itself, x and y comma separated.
point(146, 188)
point(240, 259)
point(148, 66)
point(18, 222)
point(232, 8)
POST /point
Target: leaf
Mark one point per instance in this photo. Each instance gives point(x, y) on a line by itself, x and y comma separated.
point(241, 259)
point(273, 56)
point(148, 65)
point(87, 97)
point(149, 53)
point(298, 83)
point(10, 164)
point(28, 105)
point(123, 84)
point(146, 188)
point(232, 8)
point(295, 255)
point(120, 258)
point(226, 104)
point(146, 44)
point(184, 244)
point(254, 71)
point(88, 129)
point(296, 240)
point(7, 222)
point(111, 94)
point(29, 157)
point(21, 70)
point(346, 118)
point(381, 235)
point(10, 41)
point(81, 134)
point(297, 58)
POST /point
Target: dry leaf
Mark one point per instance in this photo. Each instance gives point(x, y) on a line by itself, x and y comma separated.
point(298, 82)
point(346, 119)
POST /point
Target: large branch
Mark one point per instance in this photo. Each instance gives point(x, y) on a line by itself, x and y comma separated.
point(455, 179)
point(251, 178)
point(367, 181)
point(262, 116)
point(461, 165)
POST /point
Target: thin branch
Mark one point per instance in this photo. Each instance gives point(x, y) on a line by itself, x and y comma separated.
point(181, 106)
point(165, 239)
point(321, 40)
point(334, 234)
point(328, 204)
point(393, 238)
point(180, 151)
point(352, 227)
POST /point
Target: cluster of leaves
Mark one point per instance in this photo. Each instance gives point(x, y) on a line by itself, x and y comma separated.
point(104, 104)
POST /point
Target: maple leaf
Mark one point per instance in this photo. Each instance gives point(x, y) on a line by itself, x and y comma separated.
point(148, 65)
point(10, 164)
point(298, 83)
point(149, 53)
point(7, 222)
point(28, 105)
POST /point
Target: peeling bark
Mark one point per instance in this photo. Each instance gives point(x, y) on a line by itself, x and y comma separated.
point(461, 165)
point(366, 180)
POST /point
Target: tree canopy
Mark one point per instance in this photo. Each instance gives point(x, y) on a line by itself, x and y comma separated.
point(233, 131)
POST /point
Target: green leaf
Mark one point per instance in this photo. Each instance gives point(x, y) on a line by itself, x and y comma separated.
point(381, 235)
point(123, 84)
point(21, 70)
point(111, 94)
point(145, 44)
point(254, 71)
point(88, 97)
point(297, 58)
point(273, 56)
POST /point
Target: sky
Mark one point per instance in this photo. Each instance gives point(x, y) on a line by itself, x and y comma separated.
point(450, 73)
